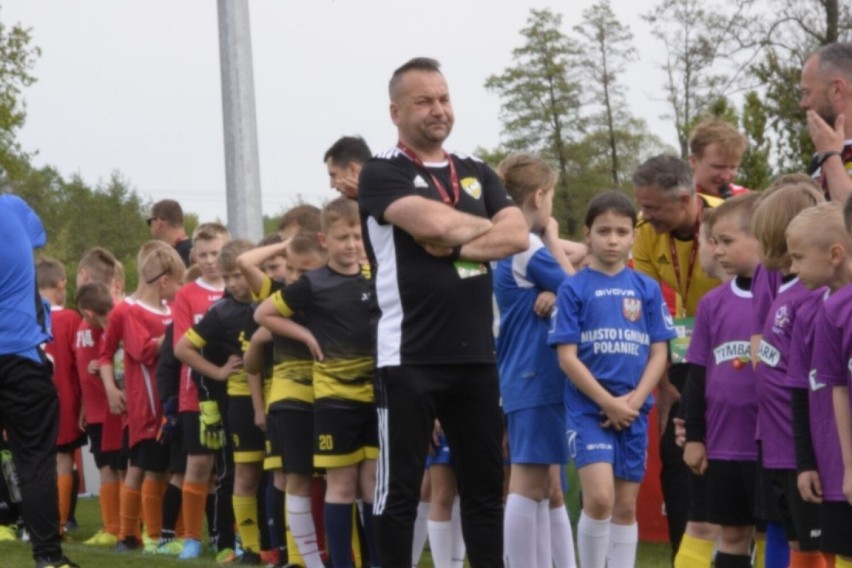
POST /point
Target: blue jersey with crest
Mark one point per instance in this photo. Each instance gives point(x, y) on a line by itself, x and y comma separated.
point(613, 320)
point(529, 371)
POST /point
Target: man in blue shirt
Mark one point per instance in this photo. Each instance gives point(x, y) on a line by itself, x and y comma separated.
point(29, 407)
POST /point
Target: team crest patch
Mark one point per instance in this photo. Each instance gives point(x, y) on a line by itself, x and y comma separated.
point(632, 309)
point(782, 318)
point(472, 187)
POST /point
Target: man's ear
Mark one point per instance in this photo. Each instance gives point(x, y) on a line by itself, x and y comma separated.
point(394, 112)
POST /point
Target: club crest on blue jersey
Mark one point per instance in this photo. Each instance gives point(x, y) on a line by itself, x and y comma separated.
point(632, 309)
point(472, 187)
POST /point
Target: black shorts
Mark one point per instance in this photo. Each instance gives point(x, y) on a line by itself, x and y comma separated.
point(150, 455)
point(102, 459)
point(697, 487)
point(777, 499)
point(769, 502)
point(191, 435)
point(291, 436)
point(249, 443)
point(177, 452)
point(730, 492)
point(70, 447)
point(836, 524)
point(345, 432)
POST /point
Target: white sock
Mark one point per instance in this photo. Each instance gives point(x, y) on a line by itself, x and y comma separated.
point(441, 543)
point(542, 534)
point(561, 539)
point(622, 545)
point(302, 528)
point(420, 532)
point(458, 537)
point(592, 541)
point(519, 531)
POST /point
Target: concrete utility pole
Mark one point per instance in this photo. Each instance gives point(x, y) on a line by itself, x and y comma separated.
point(242, 169)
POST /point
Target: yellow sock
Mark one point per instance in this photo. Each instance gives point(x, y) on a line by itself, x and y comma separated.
point(357, 554)
point(760, 551)
point(245, 515)
point(694, 553)
point(842, 562)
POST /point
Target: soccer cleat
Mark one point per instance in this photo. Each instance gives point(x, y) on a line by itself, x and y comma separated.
point(170, 547)
point(8, 533)
point(71, 525)
point(102, 538)
point(191, 549)
point(226, 556)
point(62, 562)
point(129, 543)
point(270, 557)
point(249, 558)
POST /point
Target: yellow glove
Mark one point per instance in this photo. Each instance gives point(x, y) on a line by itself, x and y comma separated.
point(211, 430)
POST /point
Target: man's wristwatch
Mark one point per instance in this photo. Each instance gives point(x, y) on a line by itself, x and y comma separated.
point(823, 156)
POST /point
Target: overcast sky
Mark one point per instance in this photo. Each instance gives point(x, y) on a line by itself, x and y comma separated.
point(134, 86)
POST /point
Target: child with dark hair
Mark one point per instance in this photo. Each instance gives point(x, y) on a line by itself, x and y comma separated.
point(611, 330)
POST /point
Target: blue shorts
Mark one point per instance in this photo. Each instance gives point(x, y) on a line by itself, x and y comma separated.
point(536, 435)
point(439, 455)
point(625, 450)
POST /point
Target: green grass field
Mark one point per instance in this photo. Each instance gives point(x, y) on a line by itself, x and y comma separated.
point(18, 554)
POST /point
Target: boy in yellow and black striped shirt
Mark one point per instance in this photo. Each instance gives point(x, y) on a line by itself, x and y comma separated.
point(337, 304)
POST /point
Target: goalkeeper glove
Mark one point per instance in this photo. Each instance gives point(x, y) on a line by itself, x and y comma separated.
point(211, 429)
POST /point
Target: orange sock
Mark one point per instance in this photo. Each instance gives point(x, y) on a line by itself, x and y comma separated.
point(829, 559)
point(180, 527)
point(64, 485)
point(193, 503)
point(109, 507)
point(130, 511)
point(152, 508)
point(800, 559)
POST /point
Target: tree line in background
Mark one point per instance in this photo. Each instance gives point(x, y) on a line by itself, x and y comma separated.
point(564, 97)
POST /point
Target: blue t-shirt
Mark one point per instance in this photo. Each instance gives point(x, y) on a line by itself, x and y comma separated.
point(20, 232)
point(529, 370)
point(613, 320)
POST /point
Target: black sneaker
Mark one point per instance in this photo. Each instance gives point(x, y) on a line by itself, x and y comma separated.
point(249, 558)
point(129, 543)
point(62, 562)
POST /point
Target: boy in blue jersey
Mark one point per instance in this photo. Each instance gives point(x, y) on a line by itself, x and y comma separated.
point(611, 330)
point(531, 384)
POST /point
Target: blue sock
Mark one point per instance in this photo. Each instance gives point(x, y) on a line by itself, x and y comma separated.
point(777, 549)
point(274, 500)
point(369, 535)
point(338, 534)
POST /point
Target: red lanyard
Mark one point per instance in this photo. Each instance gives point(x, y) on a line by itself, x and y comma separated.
point(454, 176)
point(693, 253)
